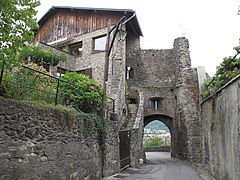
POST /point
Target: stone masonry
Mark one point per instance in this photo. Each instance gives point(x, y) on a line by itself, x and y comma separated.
point(41, 143)
point(187, 108)
point(168, 84)
point(167, 75)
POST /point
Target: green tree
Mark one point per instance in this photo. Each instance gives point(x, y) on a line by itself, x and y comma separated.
point(81, 92)
point(154, 142)
point(17, 22)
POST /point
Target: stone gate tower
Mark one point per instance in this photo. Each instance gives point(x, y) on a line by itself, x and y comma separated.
point(170, 88)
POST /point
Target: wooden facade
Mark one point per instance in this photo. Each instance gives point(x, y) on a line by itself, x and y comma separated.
point(60, 23)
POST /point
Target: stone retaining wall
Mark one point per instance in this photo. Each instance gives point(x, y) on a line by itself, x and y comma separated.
point(39, 143)
point(221, 133)
point(157, 149)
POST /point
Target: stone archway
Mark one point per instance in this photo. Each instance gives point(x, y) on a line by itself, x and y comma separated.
point(168, 121)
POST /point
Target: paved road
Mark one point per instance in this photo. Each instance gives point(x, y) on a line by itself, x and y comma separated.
point(160, 167)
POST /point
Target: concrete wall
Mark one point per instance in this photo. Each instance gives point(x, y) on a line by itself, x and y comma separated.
point(221, 133)
point(39, 143)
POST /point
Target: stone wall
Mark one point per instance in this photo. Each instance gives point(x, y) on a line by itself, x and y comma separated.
point(167, 74)
point(221, 132)
point(136, 144)
point(158, 149)
point(187, 136)
point(39, 143)
point(154, 74)
point(111, 151)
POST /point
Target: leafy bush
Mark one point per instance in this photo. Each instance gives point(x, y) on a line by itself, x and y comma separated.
point(227, 70)
point(81, 92)
point(25, 84)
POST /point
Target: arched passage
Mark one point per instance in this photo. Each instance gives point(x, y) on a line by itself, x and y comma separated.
point(168, 121)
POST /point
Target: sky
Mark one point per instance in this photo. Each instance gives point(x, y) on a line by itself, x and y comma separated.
point(211, 26)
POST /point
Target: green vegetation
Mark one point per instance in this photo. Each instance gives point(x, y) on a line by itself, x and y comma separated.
point(94, 123)
point(24, 84)
point(154, 142)
point(81, 92)
point(226, 71)
point(40, 56)
point(17, 22)
point(76, 90)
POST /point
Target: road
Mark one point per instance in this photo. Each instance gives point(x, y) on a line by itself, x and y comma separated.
point(160, 167)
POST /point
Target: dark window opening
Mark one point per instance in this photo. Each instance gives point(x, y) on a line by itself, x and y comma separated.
point(156, 103)
point(76, 48)
point(87, 72)
point(132, 101)
point(99, 43)
point(62, 71)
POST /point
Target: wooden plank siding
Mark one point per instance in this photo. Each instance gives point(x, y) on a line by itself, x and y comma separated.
point(72, 23)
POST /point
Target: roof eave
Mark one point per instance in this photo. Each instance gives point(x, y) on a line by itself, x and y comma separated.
point(55, 8)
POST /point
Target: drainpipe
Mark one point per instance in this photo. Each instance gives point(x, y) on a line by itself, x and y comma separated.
point(129, 19)
point(1, 75)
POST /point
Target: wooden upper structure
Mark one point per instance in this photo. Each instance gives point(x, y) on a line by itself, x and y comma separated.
point(63, 21)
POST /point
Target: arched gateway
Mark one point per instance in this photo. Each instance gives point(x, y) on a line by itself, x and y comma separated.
point(168, 121)
point(170, 90)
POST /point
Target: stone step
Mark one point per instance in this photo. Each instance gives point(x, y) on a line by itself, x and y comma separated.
point(133, 111)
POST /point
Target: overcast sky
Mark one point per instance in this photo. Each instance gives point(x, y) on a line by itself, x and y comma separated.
point(211, 26)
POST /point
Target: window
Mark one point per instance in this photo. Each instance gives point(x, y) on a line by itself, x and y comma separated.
point(99, 43)
point(129, 73)
point(62, 71)
point(132, 101)
point(76, 49)
point(87, 72)
point(156, 103)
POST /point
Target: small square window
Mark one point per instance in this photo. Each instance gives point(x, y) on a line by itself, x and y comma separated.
point(62, 71)
point(87, 72)
point(156, 103)
point(99, 43)
point(76, 49)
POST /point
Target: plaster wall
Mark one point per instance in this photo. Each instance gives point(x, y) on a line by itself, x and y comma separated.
point(221, 132)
